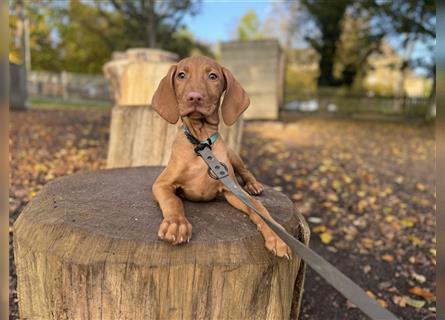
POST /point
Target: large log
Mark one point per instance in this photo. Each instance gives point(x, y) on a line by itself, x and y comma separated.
point(86, 247)
point(138, 136)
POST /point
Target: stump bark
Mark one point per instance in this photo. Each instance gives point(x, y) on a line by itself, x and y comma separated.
point(86, 247)
point(138, 136)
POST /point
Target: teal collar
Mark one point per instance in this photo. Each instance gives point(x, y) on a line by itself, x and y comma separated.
point(209, 142)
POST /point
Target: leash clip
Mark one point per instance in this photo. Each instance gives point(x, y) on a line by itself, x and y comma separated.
point(201, 146)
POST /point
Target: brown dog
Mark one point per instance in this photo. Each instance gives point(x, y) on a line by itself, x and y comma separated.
point(192, 90)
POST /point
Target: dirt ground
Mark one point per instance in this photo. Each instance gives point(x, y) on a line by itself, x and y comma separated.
point(367, 190)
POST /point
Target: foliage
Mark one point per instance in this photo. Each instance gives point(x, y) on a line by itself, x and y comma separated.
point(80, 36)
point(184, 44)
point(249, 27)
point(413, 18)
point(353, 48)
point(41, 19)
point(414, 21)
point(346, 32)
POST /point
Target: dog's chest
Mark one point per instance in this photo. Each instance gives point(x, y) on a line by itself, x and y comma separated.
point(196, 183)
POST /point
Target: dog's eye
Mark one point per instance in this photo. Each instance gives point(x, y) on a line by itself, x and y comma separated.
point(213, 76)
point(181, 75)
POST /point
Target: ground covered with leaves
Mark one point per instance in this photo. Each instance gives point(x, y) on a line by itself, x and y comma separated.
point(367, 190)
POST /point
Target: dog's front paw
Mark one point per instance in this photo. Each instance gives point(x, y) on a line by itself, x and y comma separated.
point(278, 247)
point(254, 187)
point(175, 230)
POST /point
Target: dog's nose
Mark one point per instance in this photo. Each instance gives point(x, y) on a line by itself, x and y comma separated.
point(194, 97)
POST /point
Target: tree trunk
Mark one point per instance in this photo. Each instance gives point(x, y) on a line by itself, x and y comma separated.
point(326, 66)
point(151, 24)
point(86, 247)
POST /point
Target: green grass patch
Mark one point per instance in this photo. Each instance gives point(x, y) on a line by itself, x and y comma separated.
point(58, 104)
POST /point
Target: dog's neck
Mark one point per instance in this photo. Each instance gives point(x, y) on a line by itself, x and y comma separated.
point(200, 128)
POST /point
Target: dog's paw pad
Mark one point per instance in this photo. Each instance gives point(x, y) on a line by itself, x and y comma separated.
point(175, 231)
point(254, 188)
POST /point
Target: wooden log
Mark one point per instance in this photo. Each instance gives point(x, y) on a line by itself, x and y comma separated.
point(139, 136)
point(86, 247)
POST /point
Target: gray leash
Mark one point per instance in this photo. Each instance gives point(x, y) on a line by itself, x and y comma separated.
point(332, 275)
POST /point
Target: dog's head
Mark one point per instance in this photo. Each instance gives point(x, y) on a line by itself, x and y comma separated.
point(193, 88)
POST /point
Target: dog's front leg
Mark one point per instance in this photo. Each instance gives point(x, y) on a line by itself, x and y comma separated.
point(251, 184)
point(175, 227)
point(273, 242)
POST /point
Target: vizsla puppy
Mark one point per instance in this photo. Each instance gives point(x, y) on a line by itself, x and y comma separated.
point(192, 90)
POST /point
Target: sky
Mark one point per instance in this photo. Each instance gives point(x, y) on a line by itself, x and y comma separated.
point(217, 20)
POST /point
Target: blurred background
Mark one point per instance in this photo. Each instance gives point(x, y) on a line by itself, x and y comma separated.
point(342, 117)
point(351, 49)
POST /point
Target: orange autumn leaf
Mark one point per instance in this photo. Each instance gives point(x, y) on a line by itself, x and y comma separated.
point(424, 293)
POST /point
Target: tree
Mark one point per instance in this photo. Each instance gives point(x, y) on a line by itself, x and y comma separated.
point(249, 27)
point(414, 21)
point(354, 46)
point(80, 36)
point(44, 52)
point(327, 17)
point(279, 24)
point(153, 21)
point(119, 25)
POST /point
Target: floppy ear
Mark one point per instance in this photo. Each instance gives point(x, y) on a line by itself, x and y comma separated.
point(164, 99)
point(235, 101)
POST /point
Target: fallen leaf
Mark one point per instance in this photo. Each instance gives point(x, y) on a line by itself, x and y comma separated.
point(433, 251)
point(421, 292)
point(366, 268)
point(326, 237)
point(387, 258)
point(347, 179)
point(297, 196)
point(414, 303)
point(319, 229)
point(382, 303)
point(368, 243)
point(332, 197)
point(336, 185)
point(361, 193)
point(414, 240)
point(407, 223)
point(400, 301)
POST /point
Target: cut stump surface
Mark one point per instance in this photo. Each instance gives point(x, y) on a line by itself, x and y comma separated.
point(86, 247)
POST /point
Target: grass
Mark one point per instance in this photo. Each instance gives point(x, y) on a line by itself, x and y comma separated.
point(59, 104)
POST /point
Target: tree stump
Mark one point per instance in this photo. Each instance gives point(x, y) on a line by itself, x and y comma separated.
point(138, 136)
point(86, 247)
